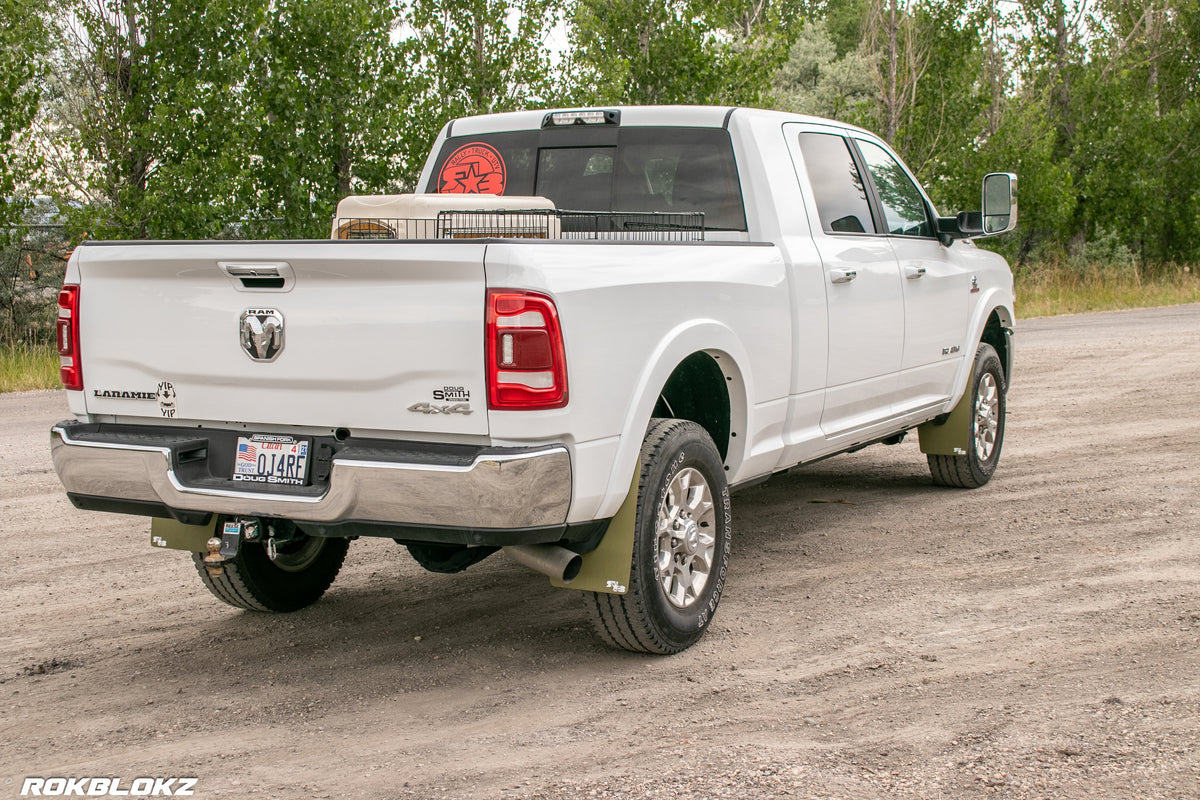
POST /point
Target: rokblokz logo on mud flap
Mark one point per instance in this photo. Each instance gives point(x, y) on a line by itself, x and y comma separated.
point(108, 787)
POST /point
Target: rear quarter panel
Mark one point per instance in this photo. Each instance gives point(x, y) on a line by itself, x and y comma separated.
point(630, 314)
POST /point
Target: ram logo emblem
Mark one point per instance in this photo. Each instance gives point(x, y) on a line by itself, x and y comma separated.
point(262, 333)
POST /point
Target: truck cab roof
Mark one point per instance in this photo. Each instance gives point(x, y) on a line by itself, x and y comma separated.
point(641, 116)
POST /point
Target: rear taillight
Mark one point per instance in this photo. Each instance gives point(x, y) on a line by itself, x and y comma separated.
point(70, 366)
point(526, 363)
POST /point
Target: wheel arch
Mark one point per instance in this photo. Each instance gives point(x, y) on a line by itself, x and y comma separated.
point(704, 356)
point(991, 323)
point(997, 331)
point(697, 390)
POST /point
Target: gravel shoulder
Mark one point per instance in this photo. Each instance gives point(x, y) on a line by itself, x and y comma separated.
point(879, 637)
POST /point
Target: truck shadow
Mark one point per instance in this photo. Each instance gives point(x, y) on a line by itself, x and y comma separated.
point(387, 616)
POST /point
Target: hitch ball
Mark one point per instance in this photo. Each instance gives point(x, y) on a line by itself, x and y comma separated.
point(214, 561)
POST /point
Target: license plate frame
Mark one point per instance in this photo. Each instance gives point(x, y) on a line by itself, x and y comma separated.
point(270, 459)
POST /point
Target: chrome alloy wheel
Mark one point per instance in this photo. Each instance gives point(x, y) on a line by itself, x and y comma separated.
point(686, 542)
point(987, 416)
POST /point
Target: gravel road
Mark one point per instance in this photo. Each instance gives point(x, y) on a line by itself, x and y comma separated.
point(879, 637)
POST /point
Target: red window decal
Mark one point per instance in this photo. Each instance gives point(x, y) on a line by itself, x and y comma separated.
point(473, 169)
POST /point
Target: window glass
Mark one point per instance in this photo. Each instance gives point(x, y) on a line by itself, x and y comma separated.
point(903, 206)
point(837, 185)
point(497, 163)
point(650, 169)
point(680, 170)
point(576, 178)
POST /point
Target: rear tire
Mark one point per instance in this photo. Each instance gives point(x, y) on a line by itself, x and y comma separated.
point(303, 569)
point(986, 433)
point(681, 545)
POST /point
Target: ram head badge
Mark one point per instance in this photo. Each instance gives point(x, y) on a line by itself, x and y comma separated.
point(262, 333)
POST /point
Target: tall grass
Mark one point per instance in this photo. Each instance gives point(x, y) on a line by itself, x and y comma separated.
point(1050, 288)
point(25, 367)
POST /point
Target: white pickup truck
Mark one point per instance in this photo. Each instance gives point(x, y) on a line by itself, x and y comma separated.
point(587, 328)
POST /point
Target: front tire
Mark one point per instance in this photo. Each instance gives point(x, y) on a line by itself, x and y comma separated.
point(681, 545)
point(986, 432)
point(301, 572)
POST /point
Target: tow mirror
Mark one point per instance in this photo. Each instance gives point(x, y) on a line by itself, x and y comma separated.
point(999, 203)
point(999, 214)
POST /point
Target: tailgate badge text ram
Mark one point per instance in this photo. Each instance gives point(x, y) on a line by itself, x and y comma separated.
point(262, 333)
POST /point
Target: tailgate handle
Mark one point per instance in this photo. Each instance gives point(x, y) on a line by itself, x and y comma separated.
point(260, 276)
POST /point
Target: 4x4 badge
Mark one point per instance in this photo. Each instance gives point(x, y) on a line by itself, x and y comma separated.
point(262, 333)
point(433, 408)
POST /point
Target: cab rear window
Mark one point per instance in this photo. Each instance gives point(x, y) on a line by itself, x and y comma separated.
point(615, 169)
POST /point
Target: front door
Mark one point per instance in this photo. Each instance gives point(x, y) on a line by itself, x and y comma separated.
point(936, 289)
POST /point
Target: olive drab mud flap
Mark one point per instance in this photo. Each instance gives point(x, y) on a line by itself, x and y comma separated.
point(952, 437)
point(606, 569)
point(174, 535)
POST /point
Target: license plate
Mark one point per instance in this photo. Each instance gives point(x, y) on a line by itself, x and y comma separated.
point(269, 458)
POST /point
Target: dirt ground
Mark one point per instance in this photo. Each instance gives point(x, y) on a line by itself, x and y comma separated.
point(878, 638)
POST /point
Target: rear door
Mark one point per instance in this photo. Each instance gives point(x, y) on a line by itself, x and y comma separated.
point(367, 336)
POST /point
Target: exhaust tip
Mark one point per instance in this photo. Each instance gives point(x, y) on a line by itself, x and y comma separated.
point(571, 570)
point(553, 561)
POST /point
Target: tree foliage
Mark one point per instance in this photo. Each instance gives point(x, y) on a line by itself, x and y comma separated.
point(680, 51)
point(189, 118)
point(329, 100)
point(23, 50)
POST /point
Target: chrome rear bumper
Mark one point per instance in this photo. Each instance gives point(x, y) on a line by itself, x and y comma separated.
point(501, 489)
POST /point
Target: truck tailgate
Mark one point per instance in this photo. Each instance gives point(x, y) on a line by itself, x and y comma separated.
point(189, 332)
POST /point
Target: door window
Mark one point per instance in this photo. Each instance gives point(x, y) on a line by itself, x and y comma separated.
point(904, 208)
point(837, 185)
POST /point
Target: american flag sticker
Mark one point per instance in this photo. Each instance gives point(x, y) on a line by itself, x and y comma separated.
point(247, 452)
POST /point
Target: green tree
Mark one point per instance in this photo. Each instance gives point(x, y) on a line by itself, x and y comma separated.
point(1115, 85)
point(330, 100)
point(32, 263)
point(926, 66)
point(485, 56)
point(23, 48)
point(1138, 171)
point(817, 80)
point(145, 115)
point(681, 51)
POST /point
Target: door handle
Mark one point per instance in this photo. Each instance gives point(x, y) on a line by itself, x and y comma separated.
point(912, 272)
point(842, 275)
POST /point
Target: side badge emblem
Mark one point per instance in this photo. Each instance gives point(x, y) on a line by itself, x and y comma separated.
point(261, 333)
